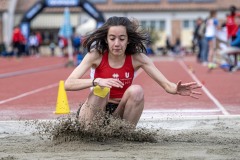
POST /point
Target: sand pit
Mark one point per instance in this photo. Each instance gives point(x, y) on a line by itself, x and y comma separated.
point(213, 138)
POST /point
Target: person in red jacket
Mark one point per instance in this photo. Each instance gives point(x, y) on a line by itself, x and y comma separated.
point(115, 52)
point(231, 24)
point(17, 40)
point(39, 38)
point(233, 49)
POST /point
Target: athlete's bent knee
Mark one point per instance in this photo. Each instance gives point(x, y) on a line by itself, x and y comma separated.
point(136, 92)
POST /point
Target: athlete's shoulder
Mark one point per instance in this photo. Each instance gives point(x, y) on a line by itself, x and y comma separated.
point(139, 57)
point(94, 57)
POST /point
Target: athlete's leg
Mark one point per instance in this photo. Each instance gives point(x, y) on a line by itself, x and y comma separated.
point(131, 106)
point(211, 51)
point(93, 106)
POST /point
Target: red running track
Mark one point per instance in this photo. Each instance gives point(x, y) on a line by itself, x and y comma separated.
point(29, 88)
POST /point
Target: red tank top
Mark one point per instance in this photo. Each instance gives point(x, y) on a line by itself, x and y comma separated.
point(125, 74)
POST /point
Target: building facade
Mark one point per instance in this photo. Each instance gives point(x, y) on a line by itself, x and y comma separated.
point(164, 18)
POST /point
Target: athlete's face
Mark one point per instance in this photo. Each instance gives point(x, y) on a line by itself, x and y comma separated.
point(117, 39)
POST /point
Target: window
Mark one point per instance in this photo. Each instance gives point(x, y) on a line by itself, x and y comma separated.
point(147, 1)
point(184, 1)
point(188, 24)
point(98, 1)
point(152, 25)
point(203, 0)
point(179, 1)
point(135, 1)
point(143, 24)
point(162, 25)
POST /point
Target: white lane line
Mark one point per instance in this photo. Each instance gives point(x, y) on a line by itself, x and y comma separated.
point(158, 118)
point(215, 101)
point(155, 115)
point(156, 111)
point(29, 93)
point(27, 71)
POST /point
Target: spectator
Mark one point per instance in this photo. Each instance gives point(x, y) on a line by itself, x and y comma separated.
point(149, 49)
point(3, 51)
point(233, 48)
point(177, 46)
point(197, 38)
point(231, 25)
point(210, 35)
point(222, 37)
point(76, 43)
point(52, 47)
point(39, 39)
point(62, 43)
point(18, 41)
point(169, 45)
point(33, 44)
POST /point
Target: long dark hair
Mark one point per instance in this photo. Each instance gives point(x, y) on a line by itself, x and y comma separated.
point(136, 37)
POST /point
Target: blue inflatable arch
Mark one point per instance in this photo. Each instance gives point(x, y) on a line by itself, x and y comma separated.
point(88, 7)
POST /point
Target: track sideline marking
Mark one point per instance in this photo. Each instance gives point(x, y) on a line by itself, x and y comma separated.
point(29, 93)
point(215, 101)
point(157, 111)
point(27, 71)
point(157, 118)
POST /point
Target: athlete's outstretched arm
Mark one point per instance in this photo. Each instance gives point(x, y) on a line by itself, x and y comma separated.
point(186, 89)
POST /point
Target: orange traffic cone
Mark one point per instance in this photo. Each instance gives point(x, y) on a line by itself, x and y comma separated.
point(62, 106)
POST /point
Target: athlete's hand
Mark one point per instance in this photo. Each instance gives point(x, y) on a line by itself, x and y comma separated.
point(109, 82)
point(187, 89)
